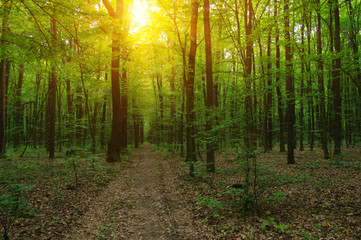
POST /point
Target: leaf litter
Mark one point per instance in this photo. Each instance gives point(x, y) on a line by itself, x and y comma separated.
point(152, 197)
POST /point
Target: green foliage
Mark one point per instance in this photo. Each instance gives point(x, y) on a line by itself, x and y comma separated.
point(271, 223)
point(341, 162)
point(13, 205)
point(211, 203)
point(258, 185)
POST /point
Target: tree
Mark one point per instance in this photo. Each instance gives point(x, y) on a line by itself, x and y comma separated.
point(278, 88)
point(249, 125)
point(321, 84)
point(52, 99)
point(336, 83)
point(4, 79)
point(290, 114)
point(115, 142)
point(190, 115)
point(210, 87)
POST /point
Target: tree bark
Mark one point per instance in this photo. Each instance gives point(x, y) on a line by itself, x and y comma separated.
point(321, 85)
point(4, 65)
point(248, 19)
point(290, 116)
point(116, 141)
point(190, 115)
point(210, 87)
point(337, 82)
point(278, 89)
point(52, 100)
point(19, 123)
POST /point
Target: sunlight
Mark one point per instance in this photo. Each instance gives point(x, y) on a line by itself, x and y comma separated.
point(140, 15)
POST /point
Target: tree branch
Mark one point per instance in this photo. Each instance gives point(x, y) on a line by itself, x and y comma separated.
point(109, 8)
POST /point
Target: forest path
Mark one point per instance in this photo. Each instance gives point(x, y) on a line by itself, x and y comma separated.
point(145, 202)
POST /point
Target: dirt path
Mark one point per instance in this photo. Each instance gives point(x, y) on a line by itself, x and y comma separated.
point(145, 202)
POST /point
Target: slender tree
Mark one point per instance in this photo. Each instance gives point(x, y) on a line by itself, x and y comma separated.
point(190, 115)
point(210, 87)
point(278, 88)
point(52, 99)
point(114, 144)
point(4, 76)
point(290, 114)
point(321, 84)
point(336, 83)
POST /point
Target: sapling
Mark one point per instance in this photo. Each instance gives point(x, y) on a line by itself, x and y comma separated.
point(12, 205)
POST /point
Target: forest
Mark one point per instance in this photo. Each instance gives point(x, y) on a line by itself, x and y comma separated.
point(180, 119)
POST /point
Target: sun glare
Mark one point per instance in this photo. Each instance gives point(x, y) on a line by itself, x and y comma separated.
point(140, 14)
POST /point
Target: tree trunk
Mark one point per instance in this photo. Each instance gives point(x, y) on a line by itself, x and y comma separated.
point(135, 125)
point(114, 144)
point(52, 101)
point(117, 141)
point(337, 82)
point(248, 17)
point(210, 87)
point(3, 81)
point(124, 108)
point(269, 98)
point(290, 116)
point(278, 89)
point(321, 85)
point(19, 123)
point(104, 115)
point(190, 115)
point(79, 116)
point(3, 95)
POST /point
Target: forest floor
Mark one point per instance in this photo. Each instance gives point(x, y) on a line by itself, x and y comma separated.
point(151, 196)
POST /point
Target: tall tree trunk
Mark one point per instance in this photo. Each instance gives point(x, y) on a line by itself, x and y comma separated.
point(52, 100)
point(161, 106)
point(124, 106)
point(116, 140)
point(321, 85)
point(4, 65)
point(59, 136)
point(3, 95)
point(104, 115)
point(135, 125)
point(290, 115)
point(248, 17)
point(269, 98)
point(190, 115)
point(301, 113)
point(336, 74)
point(70, 116)
point(210, 87)
point(79, 116)
point(114, 144)
point(19, 123)
point(171, 139)
point(278, 89)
